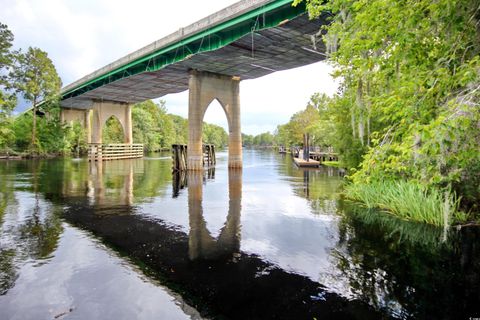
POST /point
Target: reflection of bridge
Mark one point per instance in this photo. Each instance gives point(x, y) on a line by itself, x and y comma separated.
point(213, 275)
point(247, 40)
point(110, 185)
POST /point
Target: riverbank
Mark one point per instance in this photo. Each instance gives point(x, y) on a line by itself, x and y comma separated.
point(27, 155)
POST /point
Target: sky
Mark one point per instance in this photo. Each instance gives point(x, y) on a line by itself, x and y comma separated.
point(83, 36)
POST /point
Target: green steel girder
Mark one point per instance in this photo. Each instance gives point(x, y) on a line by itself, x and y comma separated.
point(216, 37)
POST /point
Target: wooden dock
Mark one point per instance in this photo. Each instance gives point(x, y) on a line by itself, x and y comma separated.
point(114, 151)
point(306, 163)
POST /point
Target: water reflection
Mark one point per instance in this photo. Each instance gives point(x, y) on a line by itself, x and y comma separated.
point(30, 227)
point(273, 241)
point(405, 267)
point(111, 182)
point(319, 186)
point(201, 244)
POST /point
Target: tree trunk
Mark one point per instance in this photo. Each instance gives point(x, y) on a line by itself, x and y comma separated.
point(361, 121)
point(306, 147)
point(34, 129)
point(352, 114)
point(369, 112)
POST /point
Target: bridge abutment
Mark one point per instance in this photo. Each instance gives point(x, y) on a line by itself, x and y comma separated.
point(204, 87)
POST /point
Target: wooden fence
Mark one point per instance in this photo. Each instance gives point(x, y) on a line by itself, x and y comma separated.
point(114, 151)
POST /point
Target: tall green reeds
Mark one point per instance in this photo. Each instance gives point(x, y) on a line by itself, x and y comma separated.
point(408, 200)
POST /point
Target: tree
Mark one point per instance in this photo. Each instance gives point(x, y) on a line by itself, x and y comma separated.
point(8, 100)
point(152, 126)
point(247, 140)
point(213, 134)
point(7, 56)
point(36, 78)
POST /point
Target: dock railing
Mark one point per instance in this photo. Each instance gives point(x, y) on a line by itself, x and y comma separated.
point(114, 151)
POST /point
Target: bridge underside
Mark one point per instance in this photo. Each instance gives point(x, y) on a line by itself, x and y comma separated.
point(289, 45)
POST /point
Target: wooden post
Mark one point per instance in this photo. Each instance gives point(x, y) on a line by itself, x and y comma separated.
point(180, 156)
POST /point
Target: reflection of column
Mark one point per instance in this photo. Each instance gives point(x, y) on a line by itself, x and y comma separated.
point(96, 177)
point(103, 172)
point(201, 243)
point(229, 239)
point(198, 236)
point(128, 184)
point(306, 183)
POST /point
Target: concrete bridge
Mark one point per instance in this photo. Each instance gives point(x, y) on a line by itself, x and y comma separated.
point(210, 57)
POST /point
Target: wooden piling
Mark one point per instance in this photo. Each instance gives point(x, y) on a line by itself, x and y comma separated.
point(179, 156)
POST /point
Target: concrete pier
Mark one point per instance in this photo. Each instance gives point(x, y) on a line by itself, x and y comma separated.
point(204, 87)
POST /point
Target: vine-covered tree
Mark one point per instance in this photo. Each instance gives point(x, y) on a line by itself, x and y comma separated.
point(409, 102)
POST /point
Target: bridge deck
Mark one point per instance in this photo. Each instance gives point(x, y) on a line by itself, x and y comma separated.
point(248, 40)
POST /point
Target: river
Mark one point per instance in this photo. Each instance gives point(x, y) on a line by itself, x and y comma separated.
point(129, 240)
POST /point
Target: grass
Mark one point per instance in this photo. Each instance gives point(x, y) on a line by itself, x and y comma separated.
point(335, 164)
point(409, 201)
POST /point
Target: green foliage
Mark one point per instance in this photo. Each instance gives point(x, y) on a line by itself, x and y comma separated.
point(247, 140)
point(158, 130)
point(316, 119)
point(6, 40)
point(8, 99)
point(408, 200)
point(36, 78)
point(264, 139)
point(180, 128)
point(408, 102)
point(213, 134)
point(112, 131)
point(152, 126)
point(52, 137)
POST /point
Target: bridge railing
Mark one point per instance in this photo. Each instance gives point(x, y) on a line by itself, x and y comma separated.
point(114, 151)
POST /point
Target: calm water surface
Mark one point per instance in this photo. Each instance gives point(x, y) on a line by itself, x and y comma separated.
point(129, 240)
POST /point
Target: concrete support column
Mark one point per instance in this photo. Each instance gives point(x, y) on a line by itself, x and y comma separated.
point(88, 125)
point(103, 110)
point(97, 124)
point(204, 87)
point(235, 129)
point(127, 127)
point(195, 123)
